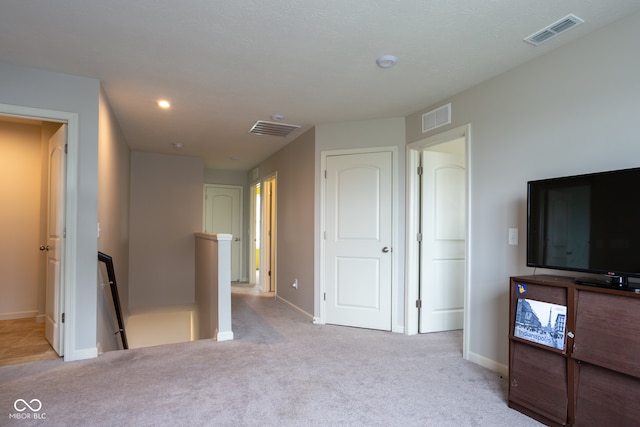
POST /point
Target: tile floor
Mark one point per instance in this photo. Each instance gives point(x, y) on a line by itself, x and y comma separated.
point(22, 340)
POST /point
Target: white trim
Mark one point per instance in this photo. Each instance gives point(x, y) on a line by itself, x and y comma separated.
point(412, 227)
point(492, 365)
point(224, 335)
point(68, 291)
point(19, 315)
point(83, 353)
point(395, 264)
point(295, 307)
point(265, 284)
point(253, 231)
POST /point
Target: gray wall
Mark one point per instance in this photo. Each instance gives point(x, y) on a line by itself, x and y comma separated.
point(28, 87)
point(166, 211)
point(225, 177)
point(294, 165)
point(113, 216)
point(575, 110)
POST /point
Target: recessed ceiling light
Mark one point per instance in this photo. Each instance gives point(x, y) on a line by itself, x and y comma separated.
point(277, 117)
point(386, 61)
point(163, 103)
point(177, 145)
point(234, 158)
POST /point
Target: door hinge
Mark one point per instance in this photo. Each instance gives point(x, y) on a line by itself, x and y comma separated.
point(324, 296)
point(64, 233)
point(62, 317)
point(419, 237)
point(325, 174)
point(420, 170)
point(66, 148)
point(418, 303)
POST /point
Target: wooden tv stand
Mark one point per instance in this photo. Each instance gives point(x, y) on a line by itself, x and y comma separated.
point(582, 369)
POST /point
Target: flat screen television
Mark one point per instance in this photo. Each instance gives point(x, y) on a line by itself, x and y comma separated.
point(587, 223)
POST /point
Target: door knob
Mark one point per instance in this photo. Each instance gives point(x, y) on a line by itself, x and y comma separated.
point(237, 239)
point(44, 248)
point(385, 249)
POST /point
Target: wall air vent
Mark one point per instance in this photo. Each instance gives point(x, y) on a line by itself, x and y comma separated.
point(553, 30)
point(435, 118)
point(273, 129)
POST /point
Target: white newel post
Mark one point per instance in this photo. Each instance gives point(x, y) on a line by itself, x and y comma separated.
point(213, 285)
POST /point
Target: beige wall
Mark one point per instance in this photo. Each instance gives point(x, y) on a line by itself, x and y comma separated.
point(113, 216)
point(21, 263)
point(166, 209)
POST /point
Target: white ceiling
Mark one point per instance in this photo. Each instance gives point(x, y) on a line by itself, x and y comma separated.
point(226, 64)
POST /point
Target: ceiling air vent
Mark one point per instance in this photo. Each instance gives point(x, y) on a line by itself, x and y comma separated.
point(553, 30)
point(273, 129)
point(435, 118)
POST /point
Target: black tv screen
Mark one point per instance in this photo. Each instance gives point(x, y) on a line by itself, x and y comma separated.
point(586, 223)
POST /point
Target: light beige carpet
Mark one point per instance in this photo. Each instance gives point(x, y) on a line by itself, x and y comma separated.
point(281, 370)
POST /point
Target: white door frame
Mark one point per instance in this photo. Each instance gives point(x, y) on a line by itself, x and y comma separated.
point(321, 289)
point(254, 230)
point(68, 291)
point(269, 256)
point(412, 259)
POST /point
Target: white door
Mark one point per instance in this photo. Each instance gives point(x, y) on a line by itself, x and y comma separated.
point(443, 237)
point(55, 234)
point(223, 214)
point(358, 237)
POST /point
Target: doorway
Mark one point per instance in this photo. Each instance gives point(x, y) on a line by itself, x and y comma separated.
point(357, 241)
point(69, 266)
point(223, 213)
point(443, 231)
point(33, 179)
point(267, 243)
point(437, 271)
point(255, 227)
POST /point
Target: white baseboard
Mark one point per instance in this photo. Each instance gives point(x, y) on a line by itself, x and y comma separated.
point(40, 318)
point(82, 354)
point(489, 364)
point(296, 308)
point(224, 336)
point(18, 315)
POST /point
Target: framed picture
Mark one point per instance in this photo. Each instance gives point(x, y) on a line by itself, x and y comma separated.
point(541, 322)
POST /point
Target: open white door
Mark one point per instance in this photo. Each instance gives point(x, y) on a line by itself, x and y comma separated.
point(54, 330)
point(223, 214)
point(358, 253)
point(443, 247)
